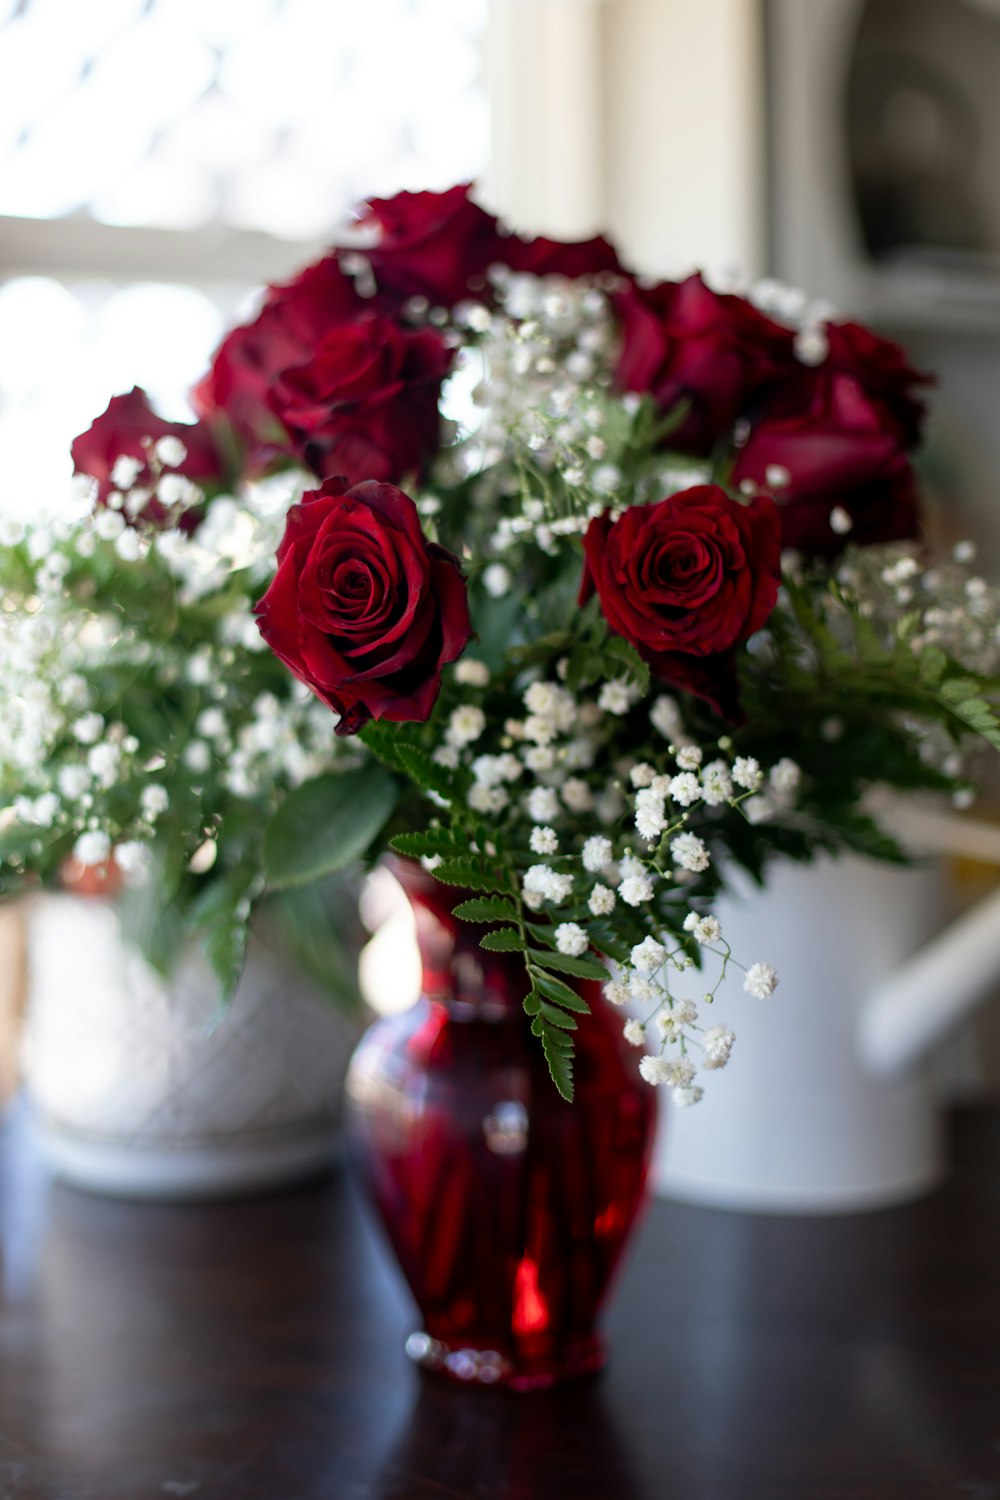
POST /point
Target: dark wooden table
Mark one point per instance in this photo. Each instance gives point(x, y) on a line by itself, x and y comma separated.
point(253, 1351)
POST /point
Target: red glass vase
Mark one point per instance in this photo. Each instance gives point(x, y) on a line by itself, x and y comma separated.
point(508, 1208)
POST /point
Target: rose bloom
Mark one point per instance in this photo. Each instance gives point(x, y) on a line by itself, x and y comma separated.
point(543, 257)
point(682, 342)
point(686, 581)
point(363, 609)
point(122, 431)
point(294, 319)
point(840, 451)
point(879, 368)
point(365, 403)
point(433, 245)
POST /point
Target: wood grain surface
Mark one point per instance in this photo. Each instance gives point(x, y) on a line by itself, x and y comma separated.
point(253, 1351)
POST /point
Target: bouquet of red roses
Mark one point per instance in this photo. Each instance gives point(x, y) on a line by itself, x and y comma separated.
point(605, 587)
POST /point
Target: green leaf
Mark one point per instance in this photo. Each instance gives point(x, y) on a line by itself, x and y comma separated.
point(475, 874)
point(325, 824)
point(426, 772)
point(560, 1064)
point(487, 909)
point(503, 940)
point(560, 993)
point(582, 967)
point(532, 1004)
point(220, 919)
point(556, 1017)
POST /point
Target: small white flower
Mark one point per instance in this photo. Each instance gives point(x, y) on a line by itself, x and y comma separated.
point(212, 724)
point(465, 725)
point(642, 775)
point(685, 1097)
point(447, 756)
point(785, 777)
point(103, 761)
point(92, 848)
point(73, 781)
point(125, 471)
point(616, 993)
point(543, 840)
point(617, 696)
point(538, 757)
point(655, 1069)
point(129, 546)
point(717, 1044)
point(496, 580)
point(689, 757)
point(811, 345)
point(685, 1012)
point(170, 451)
point(688, 850)
point(472, 673)
point(758, 810)
point(747, 773)
point(132, 857)
point(602, 901)
point(154, 800)
point(841, 521)
point(597, 853)
point(761, 981)
point(635, 889)
point(542, 804)
point(487, 799)
point(716, 783)
point(577, 795)
point(685, 789)
point(648, 956)
point(704, 929)
point(635, 1033)
point(665, 717)
point(644, 991)
point(650, 821)
point(109, 524)
point(197, 756)
point(571, 939)
point(88, 728)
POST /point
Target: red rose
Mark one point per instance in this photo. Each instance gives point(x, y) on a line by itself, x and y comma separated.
point(542, 257)
point(840, 452)
point(880, 368)
point(127, 429)
point(686, 581)
point(433, 245)
point(683, 342)
point(363, 609)
point(293, 321)
point(365, 402)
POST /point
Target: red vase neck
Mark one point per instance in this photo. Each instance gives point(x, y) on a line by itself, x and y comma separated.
point(456, 970)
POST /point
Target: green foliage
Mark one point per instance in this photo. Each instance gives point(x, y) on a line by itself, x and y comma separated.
point(219, 921)
point(327, 823)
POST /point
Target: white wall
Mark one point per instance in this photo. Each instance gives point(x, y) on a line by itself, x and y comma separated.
point(642, 117)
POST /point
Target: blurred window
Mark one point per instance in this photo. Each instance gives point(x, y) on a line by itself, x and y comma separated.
point(160, 158)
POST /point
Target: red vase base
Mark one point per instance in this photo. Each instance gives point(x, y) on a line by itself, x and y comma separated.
point(466, 1364)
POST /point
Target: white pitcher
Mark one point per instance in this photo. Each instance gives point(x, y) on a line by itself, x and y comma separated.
point(827, 1105)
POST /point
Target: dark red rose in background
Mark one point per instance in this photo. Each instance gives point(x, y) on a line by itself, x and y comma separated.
point(295, 318)
point(542, 257)
point(839, 452)
point(433, 245)
point(682, 341)
point(365, 402)
point(363, 609)
point(686, 581)
point(123, 431)
point(881, 370)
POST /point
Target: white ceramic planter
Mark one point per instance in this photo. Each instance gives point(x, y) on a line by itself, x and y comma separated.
point(148, 1089)
point(800, 1121)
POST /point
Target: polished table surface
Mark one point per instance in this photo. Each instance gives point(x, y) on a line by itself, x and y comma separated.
point(253, 1351)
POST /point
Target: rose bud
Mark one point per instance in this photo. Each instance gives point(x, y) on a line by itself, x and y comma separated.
point(363, 609)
